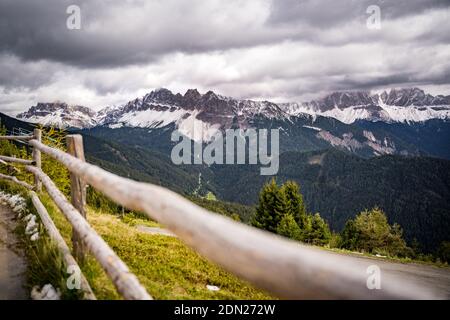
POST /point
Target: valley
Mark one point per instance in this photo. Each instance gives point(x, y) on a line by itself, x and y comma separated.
point(395, 163)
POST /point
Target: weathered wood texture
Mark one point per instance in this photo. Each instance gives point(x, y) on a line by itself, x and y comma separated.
point(17, 160)
point(285, 268)
point(37, 133)
point(125, 282)
point(77, 192)
point(16, 137)
point(61, 244)
point(15, 180)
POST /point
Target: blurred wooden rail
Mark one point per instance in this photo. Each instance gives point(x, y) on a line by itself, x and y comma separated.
point(20, 138)
point(125, 282)
point(283, 267)
point(17, 160)
point(59, 241)
point(15, 180)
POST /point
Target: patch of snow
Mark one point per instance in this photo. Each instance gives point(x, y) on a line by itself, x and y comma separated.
point(16, 202)
point(34, 236)
point(116, 125)
point(297, 109)
point(369, 135)
point(18, 205)
point(415, 113)
point(212, 288)
point(59, 120)
point(151, 118)
point(48, 292)
point(348, 142)
point(28, 217)
point(385, 113)
point(31, 226)
point(313, 128)
point(197, 130)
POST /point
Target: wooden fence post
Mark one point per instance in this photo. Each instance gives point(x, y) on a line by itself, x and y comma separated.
point(37, 134)
point(77, 192)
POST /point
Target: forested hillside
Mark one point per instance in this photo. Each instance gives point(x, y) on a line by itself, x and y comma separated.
point(412, 191)
point(139, 164)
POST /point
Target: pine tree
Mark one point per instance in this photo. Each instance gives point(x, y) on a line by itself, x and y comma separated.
point(288, 227)
point(271, 208)
point(371, 232)
point(282, 210)
point(320, 233)
point(295, 204)
point(444, 251)
point(349, 236)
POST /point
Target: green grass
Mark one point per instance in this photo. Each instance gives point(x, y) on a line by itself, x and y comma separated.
point(133, 220)
point(166, 267)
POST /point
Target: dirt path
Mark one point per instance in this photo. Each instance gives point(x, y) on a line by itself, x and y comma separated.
point(12, 261)
point(155, 230)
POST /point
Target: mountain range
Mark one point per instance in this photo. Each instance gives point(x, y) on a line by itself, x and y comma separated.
point(161, 107)
point(397, 105)
point(412, 190)
point(348, 151)
point(401, 121)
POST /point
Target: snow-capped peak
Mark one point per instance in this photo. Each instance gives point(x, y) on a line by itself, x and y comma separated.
point(399, 105)
point(209, 111)
point(161, 107)
point(60, 115)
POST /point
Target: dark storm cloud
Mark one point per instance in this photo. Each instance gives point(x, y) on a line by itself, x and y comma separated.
point(35, 30)
point(341, 22)
point(242, 48)
point(325, 13)
point(115, 33)
point(316, 12)
point(17, 74)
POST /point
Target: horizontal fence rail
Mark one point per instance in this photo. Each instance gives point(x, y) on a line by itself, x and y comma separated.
point(16, 137)
point(281, 266)
point(17, 160)
point(17, 181)
point(125, 282)
point(59, 241)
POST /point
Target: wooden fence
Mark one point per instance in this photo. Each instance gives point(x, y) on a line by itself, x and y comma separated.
point(280, 266)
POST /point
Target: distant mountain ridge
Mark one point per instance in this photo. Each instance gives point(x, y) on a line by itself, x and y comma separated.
point(397, 105)
point(337, 120)
point(161, 107)
point(60, 114)
point(189, 112)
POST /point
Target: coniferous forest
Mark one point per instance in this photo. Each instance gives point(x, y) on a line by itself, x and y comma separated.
point(335, 187)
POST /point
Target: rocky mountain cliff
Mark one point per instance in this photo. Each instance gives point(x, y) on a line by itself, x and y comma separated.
point(397, 105)
point(61, 115)
point(161, 107)
point(330, 121)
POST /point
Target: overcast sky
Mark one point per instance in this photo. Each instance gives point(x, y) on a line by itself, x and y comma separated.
point(291, 50)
